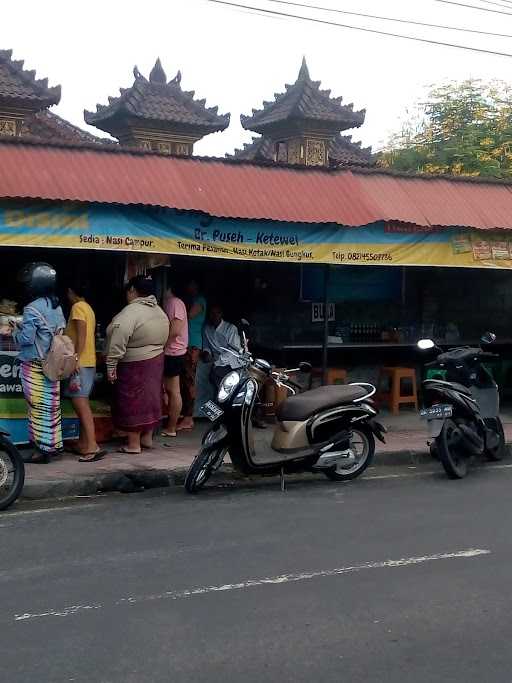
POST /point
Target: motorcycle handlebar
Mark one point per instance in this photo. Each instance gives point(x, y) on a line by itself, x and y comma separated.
point(282, 378)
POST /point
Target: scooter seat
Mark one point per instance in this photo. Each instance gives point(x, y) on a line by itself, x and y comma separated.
point(304, 406)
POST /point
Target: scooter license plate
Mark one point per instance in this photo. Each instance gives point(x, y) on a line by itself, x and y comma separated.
point(212, 411)
point(437, 412)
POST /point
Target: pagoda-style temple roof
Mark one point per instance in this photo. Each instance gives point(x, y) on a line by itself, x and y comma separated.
point(304, 101)
point(19, 88)
point(157, 100)
point(342, 151)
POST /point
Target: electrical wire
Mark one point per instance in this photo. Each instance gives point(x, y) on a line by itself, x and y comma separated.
point(498, 4)
point(325, 22)
point(400, 21)
point(481, 9)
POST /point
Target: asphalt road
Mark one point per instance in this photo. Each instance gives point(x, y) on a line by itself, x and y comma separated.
point(400, 578)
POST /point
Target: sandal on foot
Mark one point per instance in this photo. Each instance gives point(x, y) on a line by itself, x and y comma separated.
point(126, 451)
point(38, 458)
point(167, 434)
point(98, 455)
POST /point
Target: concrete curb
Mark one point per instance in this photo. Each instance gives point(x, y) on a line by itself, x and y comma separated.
point(131, 481)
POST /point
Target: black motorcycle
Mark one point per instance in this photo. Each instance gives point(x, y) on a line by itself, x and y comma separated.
point(462, 407)
point(12, 472)
point(330, 429)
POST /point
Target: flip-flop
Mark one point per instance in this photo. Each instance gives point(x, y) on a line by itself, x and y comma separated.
point(184, 429)
point(168, 434)
point(97, 456)
point(146, 448)
point(127, 452)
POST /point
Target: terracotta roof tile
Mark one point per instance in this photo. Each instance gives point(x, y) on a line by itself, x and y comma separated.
point(155, 99)
point(48, 126)
point(344, 151)
point(20, 86)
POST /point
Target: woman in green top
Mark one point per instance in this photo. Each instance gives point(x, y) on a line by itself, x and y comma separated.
point(196, 320)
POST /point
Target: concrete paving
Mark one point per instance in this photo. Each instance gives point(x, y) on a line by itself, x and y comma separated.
point(167, 463)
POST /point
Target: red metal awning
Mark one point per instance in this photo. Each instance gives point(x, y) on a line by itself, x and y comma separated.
point(248, 191)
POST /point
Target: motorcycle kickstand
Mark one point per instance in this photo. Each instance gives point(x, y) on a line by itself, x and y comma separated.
point(283, 481)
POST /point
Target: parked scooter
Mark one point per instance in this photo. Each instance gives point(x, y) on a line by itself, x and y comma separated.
point(462, 410)
point(330, 429)
point(12, 472)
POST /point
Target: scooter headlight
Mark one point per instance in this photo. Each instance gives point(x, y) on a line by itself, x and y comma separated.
point(228, 386)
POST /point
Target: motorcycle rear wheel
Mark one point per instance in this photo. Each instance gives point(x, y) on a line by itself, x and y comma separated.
point(12, 473)
point(363, 442)
point(496, 454)
point(202, 467)
point(448, 446)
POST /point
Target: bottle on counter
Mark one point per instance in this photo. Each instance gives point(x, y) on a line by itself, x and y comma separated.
point(99, 339)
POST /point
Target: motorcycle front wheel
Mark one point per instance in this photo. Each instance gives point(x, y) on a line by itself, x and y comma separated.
point(362, 445)
point(12, 473)
point(450, 450)
point(205, 462)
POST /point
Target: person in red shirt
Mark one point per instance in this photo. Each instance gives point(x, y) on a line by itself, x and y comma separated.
point(175, 352)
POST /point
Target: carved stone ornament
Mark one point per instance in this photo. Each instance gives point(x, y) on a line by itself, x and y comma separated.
point(182, 149)
point(164, 147)
point(294, 152)
point(315, 155)
point(8, 127)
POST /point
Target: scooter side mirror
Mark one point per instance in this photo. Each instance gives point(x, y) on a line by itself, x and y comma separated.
point(305, 367)
point(425, 344)
point(488, 338)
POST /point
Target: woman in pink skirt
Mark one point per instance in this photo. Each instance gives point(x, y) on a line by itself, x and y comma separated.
point(135, 364)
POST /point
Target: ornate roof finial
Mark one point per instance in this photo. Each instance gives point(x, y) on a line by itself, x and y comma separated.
point(304, 71)
point(136, 72)
point(157, 74)
point(177, 78)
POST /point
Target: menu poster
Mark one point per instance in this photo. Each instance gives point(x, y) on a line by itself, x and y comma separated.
point(461, 244)
point(482, 250)
point(500, 249)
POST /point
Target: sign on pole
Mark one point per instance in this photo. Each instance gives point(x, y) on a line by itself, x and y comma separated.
point(317, 312)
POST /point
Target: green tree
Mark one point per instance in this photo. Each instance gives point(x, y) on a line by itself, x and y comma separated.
point(462, 129)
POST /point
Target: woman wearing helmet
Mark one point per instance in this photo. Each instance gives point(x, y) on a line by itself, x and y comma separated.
point(42, 318)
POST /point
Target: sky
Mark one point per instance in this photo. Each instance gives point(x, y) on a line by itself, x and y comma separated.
point(236, 59)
